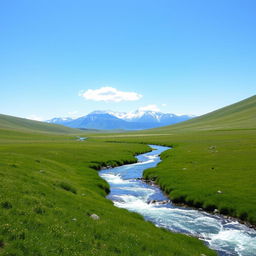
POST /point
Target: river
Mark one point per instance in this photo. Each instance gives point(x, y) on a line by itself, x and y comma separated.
point(227, 237)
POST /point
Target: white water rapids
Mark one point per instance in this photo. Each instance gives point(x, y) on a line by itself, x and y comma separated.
point(227, 237)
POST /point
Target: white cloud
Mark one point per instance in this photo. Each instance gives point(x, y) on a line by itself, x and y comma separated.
point(163, 105)
point(35, 118)
point(151, 107)
point(109, 94)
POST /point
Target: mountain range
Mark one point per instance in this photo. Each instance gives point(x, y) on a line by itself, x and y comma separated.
point(107, 120)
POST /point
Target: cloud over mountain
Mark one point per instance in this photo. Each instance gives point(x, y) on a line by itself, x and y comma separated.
point(109, 94)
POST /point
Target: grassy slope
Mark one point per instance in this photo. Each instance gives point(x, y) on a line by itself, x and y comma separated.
point(241, 115)
point(48, 190)
point(215, 152)
point(10, 123)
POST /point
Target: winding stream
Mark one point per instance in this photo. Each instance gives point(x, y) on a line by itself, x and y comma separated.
point(227, 237)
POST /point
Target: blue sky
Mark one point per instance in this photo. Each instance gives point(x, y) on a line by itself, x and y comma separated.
point(181, 56)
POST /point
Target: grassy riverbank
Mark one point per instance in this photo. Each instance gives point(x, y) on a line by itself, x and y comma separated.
point(49, 188)
point(212, 163)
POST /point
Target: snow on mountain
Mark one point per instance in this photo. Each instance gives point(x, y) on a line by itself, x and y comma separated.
point(147, 116)
point(137, 120)
point(59, 120)
point(133, 116)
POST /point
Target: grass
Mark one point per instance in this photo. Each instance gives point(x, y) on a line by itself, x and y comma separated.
point(237, 116)
point(10, 123)
point(212, 163)
point(49, 184)
point(49, 188)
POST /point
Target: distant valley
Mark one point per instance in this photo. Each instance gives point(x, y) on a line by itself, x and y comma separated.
point(107, 120)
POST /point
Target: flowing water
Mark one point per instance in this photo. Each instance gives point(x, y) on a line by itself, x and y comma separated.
point(227, 237)
point(81, 138)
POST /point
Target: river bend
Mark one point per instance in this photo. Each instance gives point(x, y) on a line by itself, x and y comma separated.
point(227, 237)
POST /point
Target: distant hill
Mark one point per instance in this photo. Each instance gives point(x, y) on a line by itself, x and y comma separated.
point(108, 120)
point(22, 124)
point(241, 115)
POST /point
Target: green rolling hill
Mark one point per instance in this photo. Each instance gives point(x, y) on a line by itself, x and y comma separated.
point(12, 123)
point(241, 115)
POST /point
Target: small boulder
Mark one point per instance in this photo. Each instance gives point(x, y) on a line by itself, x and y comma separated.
point(216, 211)
point(94, 216)
point(152, 202)
point(165, 202)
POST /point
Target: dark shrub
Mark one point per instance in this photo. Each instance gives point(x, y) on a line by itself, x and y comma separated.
point(198, 204)
point(224, 210)
point(1, 242)
point(104, 187)
point(210, 207)
point(39, 210)
point(243, 215)
point(6, 205)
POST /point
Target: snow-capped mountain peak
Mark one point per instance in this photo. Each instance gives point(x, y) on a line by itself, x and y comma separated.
point(107, 119)
point(130, 116)
point(58, 120)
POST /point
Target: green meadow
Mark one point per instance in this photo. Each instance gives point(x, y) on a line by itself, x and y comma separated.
point(50, 188)
point(212, 162)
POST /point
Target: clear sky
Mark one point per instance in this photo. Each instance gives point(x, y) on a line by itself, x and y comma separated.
point(64, 58)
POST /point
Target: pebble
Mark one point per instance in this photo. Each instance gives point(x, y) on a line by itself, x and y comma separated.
point(95, 216)
point(216, 211)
